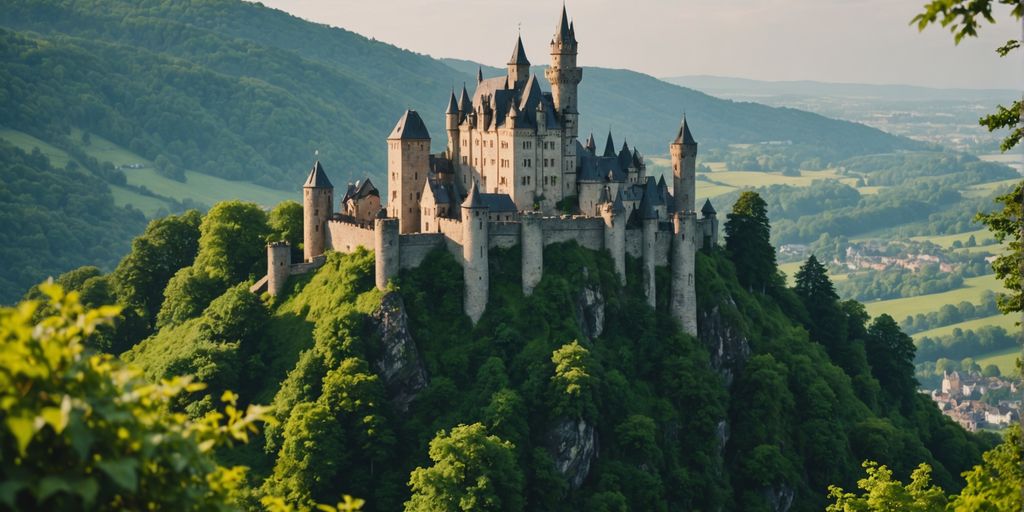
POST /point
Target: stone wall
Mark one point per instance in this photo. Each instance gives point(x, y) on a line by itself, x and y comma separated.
point(345, 236)
point(587, 231)
point(414, 247)
point(503, 235)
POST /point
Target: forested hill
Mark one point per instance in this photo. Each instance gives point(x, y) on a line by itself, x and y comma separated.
point(645, 111)
point(241, 91)
point(578, 397)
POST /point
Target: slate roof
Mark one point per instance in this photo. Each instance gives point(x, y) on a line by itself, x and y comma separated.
point(708, 210)
point(317, 178)
point(590, 144)
point(360, 189)
point(453, 107)
point(410, 127)
point(473, 197)
point(649, 200)
point(498, 203)
point(609, 146)
point(563, 33)
point(496, 96)
point(519, 54)
point(617, 206)
point(684, 136)
point(465, 106)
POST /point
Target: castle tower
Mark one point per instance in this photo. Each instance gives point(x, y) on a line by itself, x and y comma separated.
point(614, 214)
point(683, 294)
point(385, 248)
point(518, 64)
point(408, 163)
point(709, 221)
point(279, 264)
point(317, 207)
point(451, 124)
point(649, 217)
point(563, 74)
point(684, 165)
point(474, 254)
point(532, 242)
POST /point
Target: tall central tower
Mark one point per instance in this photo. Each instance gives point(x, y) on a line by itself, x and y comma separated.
point(564, 77)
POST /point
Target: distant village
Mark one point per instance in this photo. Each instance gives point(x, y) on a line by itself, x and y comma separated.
point(969, 399)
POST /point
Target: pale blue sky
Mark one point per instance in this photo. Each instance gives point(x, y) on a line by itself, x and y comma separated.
point(868, 41)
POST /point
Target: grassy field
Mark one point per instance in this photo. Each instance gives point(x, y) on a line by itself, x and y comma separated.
point(1006, 360)
point(1004, 321)
point(900, 308)
point(947, 240)
point(199, 187)
point(985, 189)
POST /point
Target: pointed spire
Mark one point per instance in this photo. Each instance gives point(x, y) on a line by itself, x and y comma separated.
point(684, 136)
point(464, 104)
point(410, 126)
point(562, 33)
point(317, 178)
point(479, 74)
point(617, 206)
point(473, 198)
point(708, 210)
point(519, 54)
point(649, 201)
point(452, 105)
point(609, 146)
point(625, 146)
point(590, 144)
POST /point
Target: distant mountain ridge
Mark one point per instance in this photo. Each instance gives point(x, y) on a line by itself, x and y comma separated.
point(729, 86)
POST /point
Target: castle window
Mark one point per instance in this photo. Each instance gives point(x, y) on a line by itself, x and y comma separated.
point(492, 161)
point(415, 175)
point(394, 195)
point(554, 180)
point(417, 196)
point(465, 160)
point(316, 212)
point(545, 180)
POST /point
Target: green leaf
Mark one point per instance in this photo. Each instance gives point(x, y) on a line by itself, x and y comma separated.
point(50, 485)
point(122, 472)
point(21, 428)
point(80, 436)
point(87, 488)
point(9, 491)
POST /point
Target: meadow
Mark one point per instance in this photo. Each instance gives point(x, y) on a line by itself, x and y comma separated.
point(970, 292)
point(1006, 360)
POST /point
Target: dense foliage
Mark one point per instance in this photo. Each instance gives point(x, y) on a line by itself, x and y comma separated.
point(81, 431)
point(55, 220)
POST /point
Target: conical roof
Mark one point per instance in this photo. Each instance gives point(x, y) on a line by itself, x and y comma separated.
point(317, 178)
point(563, 32)
point(519, 54)
point(609, 146)
point(453, 107)
point(617, 206)
point(647, 203)
point(590, 144)
point(410, 127)
point(479, 74)
point(473, 198)
point(684, 136)
point(708, 210)
point(464, 104)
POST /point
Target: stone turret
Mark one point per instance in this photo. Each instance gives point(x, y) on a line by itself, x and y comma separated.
point(385, 247)
point(408, 163)
point(649, 222)
point(317, 207)
point(683, 294)
point(451, 124)
point(684, 165)
point(279, 263)
point(532, 241)
point(518, 64)
point(709, 222)
point(614, 215)
point(474, 254)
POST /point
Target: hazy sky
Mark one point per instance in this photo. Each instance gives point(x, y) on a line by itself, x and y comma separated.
point(868, 41)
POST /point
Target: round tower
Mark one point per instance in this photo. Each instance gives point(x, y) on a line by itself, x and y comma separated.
point(451, 125)
point(683, 294)
point(684, 165)
point(532, 242)
point(317, 207)
point(474, 254)
point(650, 227)
point(614, 214)
point(385, 247)
point(279, 263)
point(563, 74)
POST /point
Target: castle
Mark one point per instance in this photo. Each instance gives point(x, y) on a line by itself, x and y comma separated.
point(512, 167)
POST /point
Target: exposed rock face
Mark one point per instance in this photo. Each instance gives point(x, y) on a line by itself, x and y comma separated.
point(780, 498)
point(573, 444)
point(399, 365)
point(590, 311)
point(728, 346)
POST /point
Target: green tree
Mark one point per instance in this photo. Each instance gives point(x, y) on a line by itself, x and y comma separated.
point(168, 245)
point(82, 432)
point(285, 223)
point(471, 471)
point(1006, 225)
point(573, 380)
point(815, 290)
point(996, 483)
point(232, 241)
point(748, 240)
point(891, 356)
point(186, 296)
point(882, 493)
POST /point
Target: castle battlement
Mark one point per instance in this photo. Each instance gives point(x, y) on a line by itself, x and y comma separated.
point(512, 156)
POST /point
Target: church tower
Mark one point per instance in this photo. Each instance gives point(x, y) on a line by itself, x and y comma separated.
point(408, 163)
point(317, 207)
point(684, 165)
point(518, 65)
